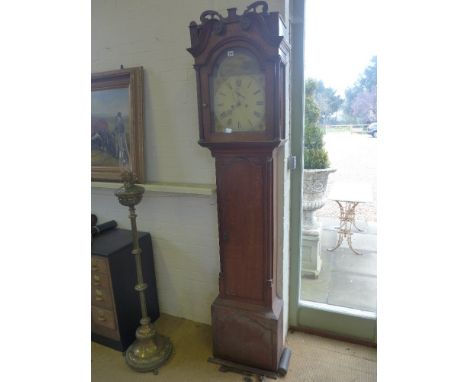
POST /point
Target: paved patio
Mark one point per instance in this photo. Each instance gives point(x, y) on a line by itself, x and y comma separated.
point(355, 158)
point(346, 279)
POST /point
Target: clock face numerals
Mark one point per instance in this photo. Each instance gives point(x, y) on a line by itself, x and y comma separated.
point(240, 103)
point(238, 93)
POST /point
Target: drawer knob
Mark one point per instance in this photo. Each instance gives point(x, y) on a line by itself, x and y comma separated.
point(99, 296)
point(101, 317)
point(94, 267)
point(97, 280)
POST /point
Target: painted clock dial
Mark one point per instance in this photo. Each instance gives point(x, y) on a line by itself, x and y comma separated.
point(237, 89)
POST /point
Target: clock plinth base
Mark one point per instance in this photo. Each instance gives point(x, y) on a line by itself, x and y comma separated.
point(226, 366)
point(247, 334)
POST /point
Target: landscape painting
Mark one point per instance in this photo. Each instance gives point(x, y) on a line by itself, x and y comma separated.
point(117, 124)
point(109, 127)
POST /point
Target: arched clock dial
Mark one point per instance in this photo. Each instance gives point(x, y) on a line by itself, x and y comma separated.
point(238, 93)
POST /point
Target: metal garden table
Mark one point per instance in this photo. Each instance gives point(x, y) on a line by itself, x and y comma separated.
point(348, 196)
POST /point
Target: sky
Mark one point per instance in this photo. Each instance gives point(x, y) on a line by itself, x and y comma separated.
point(340, 39)
point(110, 102)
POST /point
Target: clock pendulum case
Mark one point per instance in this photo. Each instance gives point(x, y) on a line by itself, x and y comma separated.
point(240, 65)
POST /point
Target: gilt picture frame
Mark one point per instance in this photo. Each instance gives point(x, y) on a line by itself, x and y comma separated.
point(117, 123)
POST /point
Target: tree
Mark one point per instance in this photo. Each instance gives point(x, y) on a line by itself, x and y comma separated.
point(315, 156)
point(360, 105)
point(328, 102)
point(312, 112)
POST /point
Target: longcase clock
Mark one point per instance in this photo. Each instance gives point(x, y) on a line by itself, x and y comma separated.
point(240, 65)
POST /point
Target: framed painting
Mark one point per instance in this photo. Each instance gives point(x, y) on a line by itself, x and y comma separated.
point(117, 124)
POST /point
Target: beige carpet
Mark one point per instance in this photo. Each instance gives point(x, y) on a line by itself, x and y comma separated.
point(314, 359)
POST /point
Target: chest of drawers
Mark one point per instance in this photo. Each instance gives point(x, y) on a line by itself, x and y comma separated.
point(115, 305)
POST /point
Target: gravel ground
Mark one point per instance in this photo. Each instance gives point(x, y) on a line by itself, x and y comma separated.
point(355, 158)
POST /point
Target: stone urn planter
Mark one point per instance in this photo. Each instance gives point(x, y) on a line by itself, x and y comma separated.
point(315, 178)
point(314, 197)
point(314, 194)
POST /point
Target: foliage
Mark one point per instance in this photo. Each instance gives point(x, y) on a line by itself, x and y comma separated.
point(315, 156)
point(322, 105)
point(360, 105)
point(312, 112)
point(328, 103)
point(316, 159)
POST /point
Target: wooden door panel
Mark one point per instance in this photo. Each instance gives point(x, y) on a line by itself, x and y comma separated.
point(242, 226)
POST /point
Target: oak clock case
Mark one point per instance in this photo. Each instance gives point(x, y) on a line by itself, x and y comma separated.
point(240, 65)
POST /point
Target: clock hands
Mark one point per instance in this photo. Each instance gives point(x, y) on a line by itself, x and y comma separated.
point(240, 95)
point(242, 105)
point(235, 96)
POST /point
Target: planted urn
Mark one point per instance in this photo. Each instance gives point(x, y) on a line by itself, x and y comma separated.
point(316, 166)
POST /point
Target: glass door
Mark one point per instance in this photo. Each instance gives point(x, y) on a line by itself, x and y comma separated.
point(333, 191)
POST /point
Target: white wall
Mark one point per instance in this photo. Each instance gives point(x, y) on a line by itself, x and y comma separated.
point(154, 34)
point(185, 244)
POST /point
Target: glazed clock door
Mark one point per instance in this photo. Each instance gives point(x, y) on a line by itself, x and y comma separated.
point(239, 96)
point(237, 89)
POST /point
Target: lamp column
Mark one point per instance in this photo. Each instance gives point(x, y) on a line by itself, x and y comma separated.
point(150, 349)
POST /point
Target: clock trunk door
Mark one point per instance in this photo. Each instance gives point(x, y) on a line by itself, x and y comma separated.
point(242, 197)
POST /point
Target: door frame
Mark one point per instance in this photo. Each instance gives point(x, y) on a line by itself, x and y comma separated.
point(320, 318)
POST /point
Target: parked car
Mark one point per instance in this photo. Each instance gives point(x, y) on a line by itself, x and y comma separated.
point(372, 129)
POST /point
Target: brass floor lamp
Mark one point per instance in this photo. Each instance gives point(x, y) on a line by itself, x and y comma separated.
point(150, 349)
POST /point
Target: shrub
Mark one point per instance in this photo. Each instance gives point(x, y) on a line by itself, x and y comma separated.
point(315, 156)
point(316, 159)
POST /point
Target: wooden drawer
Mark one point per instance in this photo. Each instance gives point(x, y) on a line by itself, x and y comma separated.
point(100, 280)
point(103, 322)
point(99, 264)
point(116, 310)
point(101, 297)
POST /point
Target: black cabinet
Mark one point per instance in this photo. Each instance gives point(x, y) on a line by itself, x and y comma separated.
point(115, 304)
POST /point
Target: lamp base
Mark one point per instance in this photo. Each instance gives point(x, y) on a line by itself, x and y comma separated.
point(149, 351)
